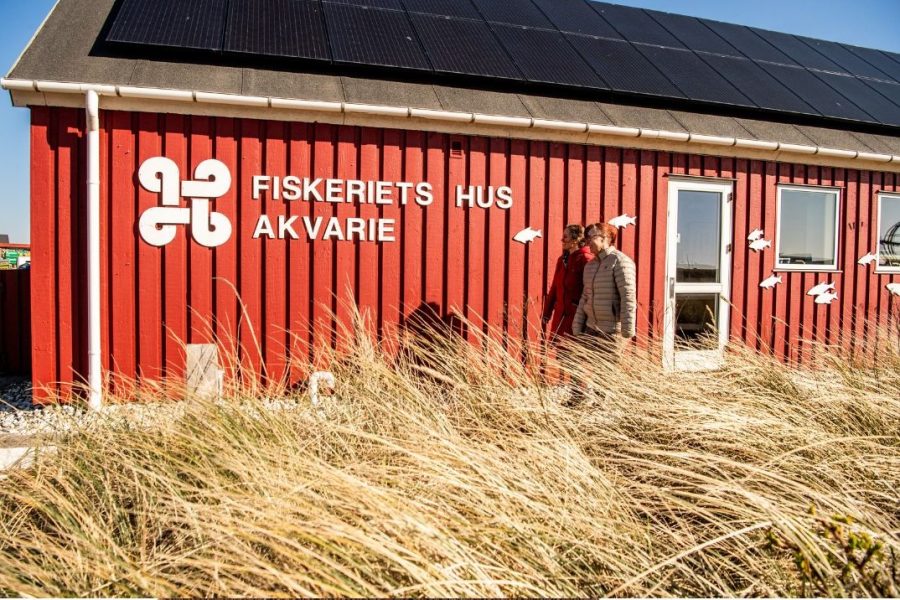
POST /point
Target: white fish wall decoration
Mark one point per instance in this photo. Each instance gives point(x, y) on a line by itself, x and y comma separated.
point(893, 288)
point(321, 383)
point(867, 259)
point(826, 298)
point(527, 235)
point(770, 282)
point(755, 235)
point(820, 289)
point(623, 221)
point(760, 244)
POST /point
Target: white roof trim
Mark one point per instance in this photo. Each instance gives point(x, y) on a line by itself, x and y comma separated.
point(237, 100)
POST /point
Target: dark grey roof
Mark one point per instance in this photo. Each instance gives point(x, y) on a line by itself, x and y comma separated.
point(62, 51)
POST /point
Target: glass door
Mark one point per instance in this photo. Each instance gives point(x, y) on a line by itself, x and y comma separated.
point(698, 274)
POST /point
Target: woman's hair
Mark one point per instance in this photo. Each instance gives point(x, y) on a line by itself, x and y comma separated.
point(602, 229)
point(575, 232)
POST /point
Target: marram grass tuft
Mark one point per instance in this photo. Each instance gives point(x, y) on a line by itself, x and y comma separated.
point(452, 468)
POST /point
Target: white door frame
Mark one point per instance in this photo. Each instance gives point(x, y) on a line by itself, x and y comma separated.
point(697, 360)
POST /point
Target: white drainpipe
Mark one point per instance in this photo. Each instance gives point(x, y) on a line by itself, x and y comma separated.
point(95, 379)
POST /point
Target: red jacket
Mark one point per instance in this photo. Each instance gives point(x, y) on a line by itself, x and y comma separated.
point(565, 291)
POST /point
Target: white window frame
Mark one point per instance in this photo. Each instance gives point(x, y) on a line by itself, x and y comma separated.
point(878, 267)
point(834, 267)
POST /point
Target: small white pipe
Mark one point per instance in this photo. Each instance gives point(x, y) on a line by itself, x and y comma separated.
point(614, 130)
point(559, 125)
point(714, 140)
point(502, 121)
point(95, 377)
point(441, 115)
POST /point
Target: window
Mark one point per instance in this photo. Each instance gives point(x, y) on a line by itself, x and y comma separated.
point(888, 233)
point(807, 234)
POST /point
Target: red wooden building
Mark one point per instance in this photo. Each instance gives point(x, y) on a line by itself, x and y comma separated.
point(241, 195)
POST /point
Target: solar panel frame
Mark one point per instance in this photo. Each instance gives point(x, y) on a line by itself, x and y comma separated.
point(849, 62)
point(890, 90)
point(864, 96)
point(575, 16)
point(385, 4)
point(399, 47)
point(481, 55)
point(463, 9)
point(286, 28)
point(693, 33)
point(693, 77)
point(800, 52)
point(760, 87)
point(877, 59)
point(635, 25)
point(748, 43)
point(531, 48)
point(188, 24)
point(815, 92)
point(622, 66)
point(513, 12)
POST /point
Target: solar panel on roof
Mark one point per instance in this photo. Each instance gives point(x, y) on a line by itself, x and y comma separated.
point(351, 28)
point(748, 43)
point(889, 90)
point(762, 89)
point(292, 28)
point(801, 53)
point(388, 4)
point(864, 97)
point(877, 59)
point(815, 92)
point(192, 24)
point(602, 47)
point(635, 25)
point(481, 54)
point(513, 12)
point(696, 79)
point(622, 67)
point(575, 16)
point(544, 56)
point(447, 8)
point(843, 57)
point(693, 33)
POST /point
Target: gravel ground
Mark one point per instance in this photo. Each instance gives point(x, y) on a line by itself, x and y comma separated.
point(22, 424)
point(15, 394)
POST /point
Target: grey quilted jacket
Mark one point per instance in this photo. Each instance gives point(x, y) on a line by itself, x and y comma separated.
point(608, 303)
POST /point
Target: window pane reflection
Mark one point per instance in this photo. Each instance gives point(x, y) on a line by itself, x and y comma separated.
point(699, 227)
point(696, 316)
point(889, 232)
point(807, 227)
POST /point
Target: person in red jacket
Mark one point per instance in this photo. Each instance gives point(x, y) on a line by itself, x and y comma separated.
point(565, 291)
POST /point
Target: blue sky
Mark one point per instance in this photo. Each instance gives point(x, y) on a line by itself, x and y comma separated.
point(872, 23)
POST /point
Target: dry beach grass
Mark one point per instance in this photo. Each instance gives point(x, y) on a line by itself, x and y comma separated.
point(455, 470)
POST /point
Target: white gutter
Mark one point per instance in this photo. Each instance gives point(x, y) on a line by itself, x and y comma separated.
point(95, 380)
point(348, 108)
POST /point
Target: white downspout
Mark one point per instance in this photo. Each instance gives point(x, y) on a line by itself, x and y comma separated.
point(95, 380)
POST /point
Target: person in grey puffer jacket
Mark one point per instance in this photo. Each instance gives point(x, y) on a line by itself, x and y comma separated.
point(608, 304)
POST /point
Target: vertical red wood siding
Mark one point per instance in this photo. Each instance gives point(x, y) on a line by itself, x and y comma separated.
point(266, 301)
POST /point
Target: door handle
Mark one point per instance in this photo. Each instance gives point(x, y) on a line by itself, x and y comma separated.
point(671, 288)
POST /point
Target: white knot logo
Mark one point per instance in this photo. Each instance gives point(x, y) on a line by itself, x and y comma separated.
point(212, 180)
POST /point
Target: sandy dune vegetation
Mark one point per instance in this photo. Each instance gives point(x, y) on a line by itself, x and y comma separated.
point(453, 468)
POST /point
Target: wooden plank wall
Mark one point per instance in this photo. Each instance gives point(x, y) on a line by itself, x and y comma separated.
point(269, 300)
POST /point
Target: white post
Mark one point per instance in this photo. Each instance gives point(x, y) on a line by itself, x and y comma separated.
point(95, 379)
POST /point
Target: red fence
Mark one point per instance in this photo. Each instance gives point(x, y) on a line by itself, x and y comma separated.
point(281, 298)
point(15, 322)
